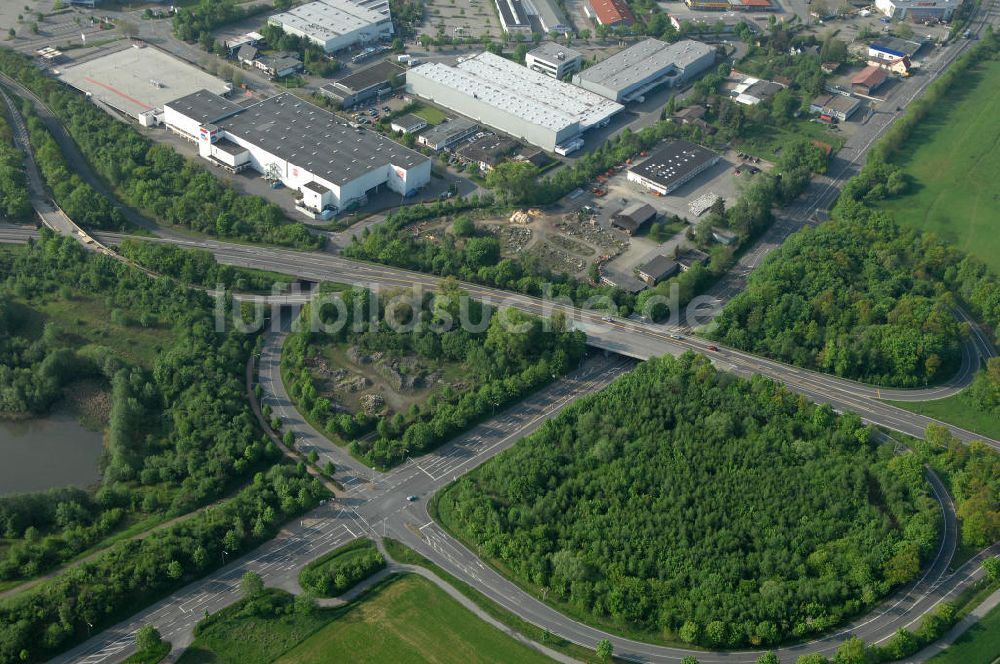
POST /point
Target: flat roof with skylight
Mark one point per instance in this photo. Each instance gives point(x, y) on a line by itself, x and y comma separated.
point(512, 98)
point(649, 62)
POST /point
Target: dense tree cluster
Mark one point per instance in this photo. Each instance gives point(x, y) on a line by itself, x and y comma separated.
point(859, 296)
point(76, 198)
point(33, 372)
point(508, 356)
point(342, 569)
point(191, 23)
point(314, 58)
point(199, 267)
point(179, 435)
point(154, 178)
point(14, 203)
point(984, 393)
point(856, 299)
point(717, 510)
point(973, 475)
point(49, 618)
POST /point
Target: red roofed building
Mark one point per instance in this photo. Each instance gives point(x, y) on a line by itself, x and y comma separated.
point(612, 12)
point(869, 79)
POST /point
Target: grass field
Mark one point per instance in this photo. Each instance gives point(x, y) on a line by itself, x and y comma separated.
point(955, 410)
point(979, 645)
point(952, 161)
point(87, 320)
point(230, 637)
point(766, 141)
point(410, 620)
point(401, 553)
point(433, 115)
point(403, 619)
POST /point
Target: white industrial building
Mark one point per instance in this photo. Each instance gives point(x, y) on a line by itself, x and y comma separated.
point(329, 162)
point(336, 24)
point(554, 60)
point(628, 75)
point(516, 100)
point(918, 10)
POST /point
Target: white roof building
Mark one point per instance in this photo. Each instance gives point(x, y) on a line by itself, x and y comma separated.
point(918, 10)
point(336, 24)
point(514, 99)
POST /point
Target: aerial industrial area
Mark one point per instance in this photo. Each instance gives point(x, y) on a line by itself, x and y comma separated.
point(500, 331)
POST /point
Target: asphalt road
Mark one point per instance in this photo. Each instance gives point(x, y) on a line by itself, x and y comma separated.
point(376, 504)
point(380, 500)
point(336, 523)
point(624, 337)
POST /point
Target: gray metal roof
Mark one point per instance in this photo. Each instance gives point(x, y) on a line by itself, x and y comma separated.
point(326, 19)
point(369, 77)
point(550, 51)
point(204, 106)
point(512, 13)
point(316, 186)
point(409, 120)
point(229, 147)
point(643, 60)
point(659, 267)
point(638, 212)
point(316, 140)
point(549, 15)
point(841, 103)
point(445, 131)
point(280, 62)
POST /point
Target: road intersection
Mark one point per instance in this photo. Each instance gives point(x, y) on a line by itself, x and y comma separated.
point(375, 504)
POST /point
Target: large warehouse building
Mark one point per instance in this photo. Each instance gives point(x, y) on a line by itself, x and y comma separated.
point(138, 81)
point(336, 24)
point(330, 163)
point(671, 166)
point(628, 75)
point(918, 10)
point(516, 100)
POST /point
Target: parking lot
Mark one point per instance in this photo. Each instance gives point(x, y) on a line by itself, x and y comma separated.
point(37, 24)
point(460, 18)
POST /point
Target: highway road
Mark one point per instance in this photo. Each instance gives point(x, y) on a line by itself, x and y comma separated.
point(624, 337)
point(376, 503)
